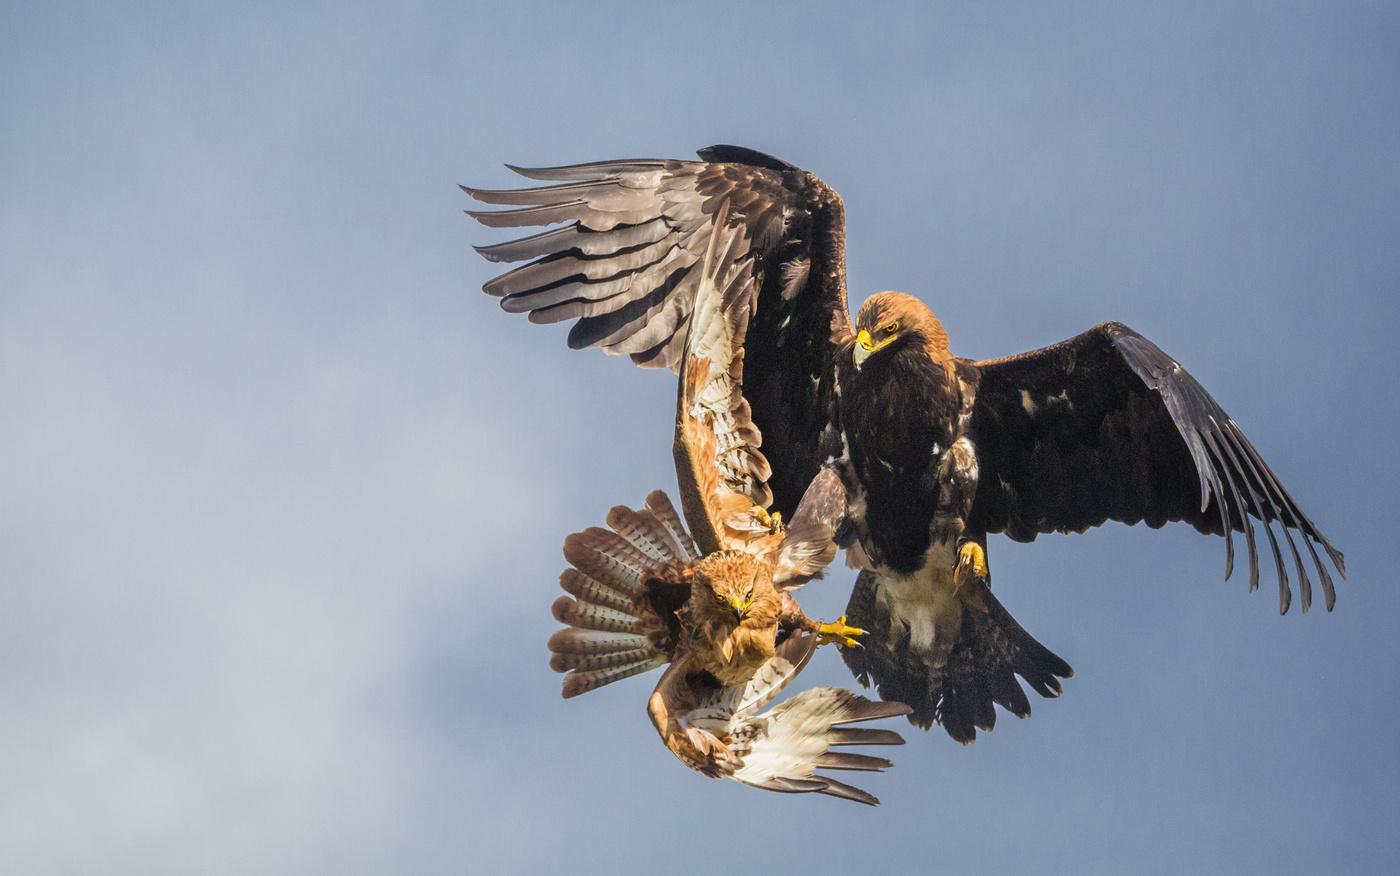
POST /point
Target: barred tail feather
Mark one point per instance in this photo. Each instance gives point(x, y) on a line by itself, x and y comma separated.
point(580, 682)
point(564, 661)
point(659, 504)
point(616, 624)
point(576, 641)
point(651, 532)
point(594, 592)
point(607, 557)
point(588, 616)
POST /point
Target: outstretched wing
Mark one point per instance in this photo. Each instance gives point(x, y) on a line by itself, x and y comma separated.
point(625, 587)
point(1106, 426)
point(780, 750)
point(786, 745)
point(627, 264)
point(723, 475)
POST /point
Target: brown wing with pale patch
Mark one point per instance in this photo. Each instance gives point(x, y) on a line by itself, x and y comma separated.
point(625, 587)
point(809, 540)
point(722, 474)
point(627, 264)
point(1105, 426)
point(719, 731)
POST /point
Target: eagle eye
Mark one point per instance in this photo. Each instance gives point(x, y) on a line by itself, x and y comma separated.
point(892, 327)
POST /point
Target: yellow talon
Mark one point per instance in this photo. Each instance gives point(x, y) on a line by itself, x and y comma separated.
point(972, 559)
point(773, 521)
point(839, 633)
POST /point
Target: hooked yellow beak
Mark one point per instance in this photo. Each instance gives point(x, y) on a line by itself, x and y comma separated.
point(740, 605)
point(865, 345)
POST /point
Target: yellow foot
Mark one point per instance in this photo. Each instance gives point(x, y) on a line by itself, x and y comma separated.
point(838, 633)
point(972, 563)
point(773, 521)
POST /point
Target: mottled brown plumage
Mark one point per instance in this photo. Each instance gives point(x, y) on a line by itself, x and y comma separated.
point(936, 452)
point(717, 609)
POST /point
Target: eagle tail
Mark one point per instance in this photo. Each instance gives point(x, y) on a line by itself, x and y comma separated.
point(788, 743)
point(615, 613)
point(955, 684)
point(991, 651)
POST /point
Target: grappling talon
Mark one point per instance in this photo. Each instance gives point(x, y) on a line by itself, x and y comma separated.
point(972, 562)
point(838, 633)
point(773, 521)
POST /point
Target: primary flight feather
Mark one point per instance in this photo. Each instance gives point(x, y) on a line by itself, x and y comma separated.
point(936, 452)
point(717, 610)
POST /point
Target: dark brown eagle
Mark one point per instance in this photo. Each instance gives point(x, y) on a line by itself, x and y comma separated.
point(719, 608)
point(936, 452)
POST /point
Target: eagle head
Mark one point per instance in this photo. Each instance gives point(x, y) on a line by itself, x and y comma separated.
point(890, 317)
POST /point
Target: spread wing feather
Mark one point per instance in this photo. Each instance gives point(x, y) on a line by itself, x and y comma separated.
point(794, 739)
point(630, 258)
point(780, 750)
point(1107, 426)
point(723, 475)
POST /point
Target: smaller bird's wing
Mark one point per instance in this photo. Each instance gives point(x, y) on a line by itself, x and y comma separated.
point(625, 586)
point(1107, 426)
point(628, 262)
point(783, 747)
point(809, 540)
point(723, 476)
point(780, 750)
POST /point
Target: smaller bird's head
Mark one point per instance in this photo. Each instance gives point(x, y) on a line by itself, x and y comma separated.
point(892, 320)
point(727, 584)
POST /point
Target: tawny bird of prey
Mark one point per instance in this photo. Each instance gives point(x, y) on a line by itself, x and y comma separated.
point(721, 614)
point(936, 452)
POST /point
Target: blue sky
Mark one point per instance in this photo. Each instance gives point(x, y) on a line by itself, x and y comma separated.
point(283, 492)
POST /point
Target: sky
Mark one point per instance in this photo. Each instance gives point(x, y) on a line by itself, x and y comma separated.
point(282, 493)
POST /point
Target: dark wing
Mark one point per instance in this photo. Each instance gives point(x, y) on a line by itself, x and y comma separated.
point(1105, 426)
point(624, 588)
point(625, 265)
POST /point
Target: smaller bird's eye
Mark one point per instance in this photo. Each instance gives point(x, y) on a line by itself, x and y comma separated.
point(892, 328)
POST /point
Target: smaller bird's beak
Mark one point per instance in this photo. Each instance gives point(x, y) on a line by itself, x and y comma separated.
point(740, 606)
point(865, 345)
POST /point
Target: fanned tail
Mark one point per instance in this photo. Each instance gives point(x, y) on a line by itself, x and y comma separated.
point(955, 683)
point(982, 668)
point(620, 609)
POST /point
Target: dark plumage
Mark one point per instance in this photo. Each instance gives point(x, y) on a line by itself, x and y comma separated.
point(936, 452)
point(717, 608)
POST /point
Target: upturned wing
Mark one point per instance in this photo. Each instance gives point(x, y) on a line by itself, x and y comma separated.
point(627, 264)
point(722, 473)
point(624, 587)
point(1106, 426)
